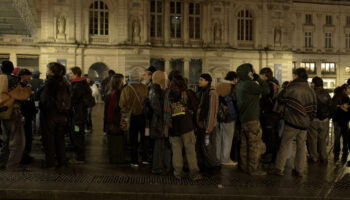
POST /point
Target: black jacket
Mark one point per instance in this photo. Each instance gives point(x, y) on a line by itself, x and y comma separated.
point(48, 95)
point(80, 89)
point(325, 106)
point(340, 116)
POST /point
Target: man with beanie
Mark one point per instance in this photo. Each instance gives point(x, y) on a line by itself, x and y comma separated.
point(131, 102)
point(206, 122)
point(13, 136)
point(300, 106)
point(249, 90)
point(227, 116)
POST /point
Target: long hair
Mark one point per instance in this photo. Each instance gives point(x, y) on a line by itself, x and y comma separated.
point(116, 82)
point(57, 68)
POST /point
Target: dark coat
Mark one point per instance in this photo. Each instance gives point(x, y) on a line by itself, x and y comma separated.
point(80, 89)
point(340, 116)
point(156, 97)
point(47, 104)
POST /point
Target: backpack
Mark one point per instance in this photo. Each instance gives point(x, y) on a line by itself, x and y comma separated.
point(323, 109)
point(227, 111)
point(63, 99)
point(88, 99)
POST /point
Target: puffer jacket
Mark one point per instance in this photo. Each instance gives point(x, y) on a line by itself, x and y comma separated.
point(80, 88)
point(300, 104)
point(156, 97)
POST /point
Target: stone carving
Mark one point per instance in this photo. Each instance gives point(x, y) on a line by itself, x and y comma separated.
point(278, 35)
point(61, 27)
point(217, 33)
point(135, 31)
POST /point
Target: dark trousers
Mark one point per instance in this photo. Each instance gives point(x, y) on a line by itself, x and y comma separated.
point(89, 119)
point(269, 126)
point(137, 126)
point(161, 156)
point(341, 131)
point(54, 143)
point(28, 132)
point(78, 140)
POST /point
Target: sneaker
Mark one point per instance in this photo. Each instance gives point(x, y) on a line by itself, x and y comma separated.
point(134, 165)
point(276, 172)
point(196, 177)
point(296, 173)
point(258, 173)
point(76, 162)
point(231, 163)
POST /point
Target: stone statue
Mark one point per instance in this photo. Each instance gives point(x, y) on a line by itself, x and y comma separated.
point(61, 27)
point(136, 31)
point(217, 33)
point(278, 35)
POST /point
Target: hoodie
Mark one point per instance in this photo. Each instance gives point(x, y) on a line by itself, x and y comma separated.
point(248, 94)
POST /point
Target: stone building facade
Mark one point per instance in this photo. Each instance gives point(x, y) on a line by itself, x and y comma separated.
point(193, 36)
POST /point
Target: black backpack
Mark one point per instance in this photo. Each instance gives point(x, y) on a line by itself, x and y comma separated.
point(63, 98)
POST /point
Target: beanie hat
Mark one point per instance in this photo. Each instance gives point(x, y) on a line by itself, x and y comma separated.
point(152, 69)
point(7, 67)
point(160, 77)
point(24, 72)
point(134, 75)
point(207, 77)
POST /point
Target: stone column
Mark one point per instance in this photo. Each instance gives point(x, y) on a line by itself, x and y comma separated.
point(186, 25)
point(167, 65)
point(187, 68)
point(167, 22)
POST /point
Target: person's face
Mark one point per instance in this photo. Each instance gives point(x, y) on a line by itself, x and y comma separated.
point(49, 73)
point(88, 80)
point(71, 75)
point(263, 77)
point(202, 82)
point(147, 76)
point(26, 78)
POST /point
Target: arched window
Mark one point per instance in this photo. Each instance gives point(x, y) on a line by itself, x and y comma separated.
point(245, 26)
point(98, 23)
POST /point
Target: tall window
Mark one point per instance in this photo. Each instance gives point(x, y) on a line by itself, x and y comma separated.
point(329, 20)
point(245, 25)
point(308, 19)
point(98, 24)
point(328, 67)
point(347, 40)
point(175, 19)
point(156, 18)
point(328, 40)
point(348, 20)
point(308, 39)
point(195, 21)
point(309, 67)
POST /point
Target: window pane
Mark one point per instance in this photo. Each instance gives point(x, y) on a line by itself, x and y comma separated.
point(198, 9)
point(153, 6)
point(159, 6)
point(178, 28)
point(172, 7)
point(172, 26)
point(153, 25)
point(191, 27)
point(198, 27)
point(191, 8)
point(159, 26)
point(178, 7)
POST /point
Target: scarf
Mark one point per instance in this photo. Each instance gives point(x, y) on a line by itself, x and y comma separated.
point(111, 105)
point(204, 103)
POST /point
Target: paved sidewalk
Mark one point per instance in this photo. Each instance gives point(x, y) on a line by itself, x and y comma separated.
point(99, 180)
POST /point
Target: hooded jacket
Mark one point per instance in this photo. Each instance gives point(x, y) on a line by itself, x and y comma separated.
point(248, 94)
point(300, 104)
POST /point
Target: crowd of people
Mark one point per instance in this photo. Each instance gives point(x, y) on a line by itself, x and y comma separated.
point(248, 120)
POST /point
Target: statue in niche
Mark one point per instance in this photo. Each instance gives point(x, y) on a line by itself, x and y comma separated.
point(61, 27)
point(278, 35)
point(136, 31)
point(217, 33)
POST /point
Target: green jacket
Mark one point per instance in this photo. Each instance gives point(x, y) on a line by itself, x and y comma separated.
point(248, 94)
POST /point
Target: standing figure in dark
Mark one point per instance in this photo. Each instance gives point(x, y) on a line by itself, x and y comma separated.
point(268, 118)
point(340, 121)
point(105, 90)
point(55, 107)
point(80, 95)
point(28, 111)
point(13, 131)
point(206, 122)
point(36, 83)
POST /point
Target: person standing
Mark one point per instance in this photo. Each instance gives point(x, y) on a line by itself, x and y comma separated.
point(319, 128)
point(180, 105)
point(300, 107)
point(28, 110)
point(131, 103)
point(13, 133)
point(161, 152)
point(36, 82)
point(80, 95)
point(55, 107)
point(227, 116)
point(250, 88)
point(206, 122)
